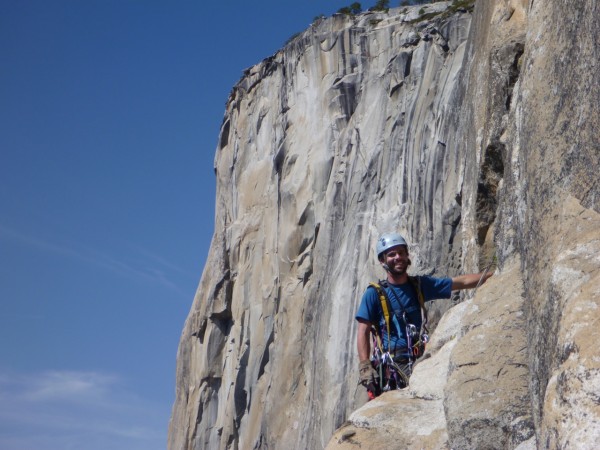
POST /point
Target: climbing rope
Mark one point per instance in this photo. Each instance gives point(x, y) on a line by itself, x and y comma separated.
point(483, 274)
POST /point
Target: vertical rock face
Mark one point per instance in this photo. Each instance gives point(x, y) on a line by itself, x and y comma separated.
point(470, 133)
point(554, 147)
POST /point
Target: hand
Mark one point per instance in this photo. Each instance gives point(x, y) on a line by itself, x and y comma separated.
point(367, 374)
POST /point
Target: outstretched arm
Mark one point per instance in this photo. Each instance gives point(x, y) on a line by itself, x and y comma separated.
point(469, 281)
point(362, 340)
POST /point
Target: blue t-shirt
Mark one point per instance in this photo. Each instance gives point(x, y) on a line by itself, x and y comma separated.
point(403, 300)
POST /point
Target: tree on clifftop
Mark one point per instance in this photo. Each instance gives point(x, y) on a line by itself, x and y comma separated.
point(381, 5)
point(354, 8)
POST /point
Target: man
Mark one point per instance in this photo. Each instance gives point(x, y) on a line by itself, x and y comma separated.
point(405, 321)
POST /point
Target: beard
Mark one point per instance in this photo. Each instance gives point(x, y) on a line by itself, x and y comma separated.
point(398, 269)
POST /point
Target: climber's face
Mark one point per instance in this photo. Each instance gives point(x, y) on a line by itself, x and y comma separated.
point(396, 259)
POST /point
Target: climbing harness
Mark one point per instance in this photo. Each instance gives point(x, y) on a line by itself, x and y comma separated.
point(388, 365)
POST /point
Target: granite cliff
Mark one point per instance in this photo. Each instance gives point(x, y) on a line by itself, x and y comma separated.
point(473, 132)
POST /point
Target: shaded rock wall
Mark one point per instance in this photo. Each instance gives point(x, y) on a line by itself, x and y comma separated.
point(524, 370)
point(460, 131)
point(554, 147)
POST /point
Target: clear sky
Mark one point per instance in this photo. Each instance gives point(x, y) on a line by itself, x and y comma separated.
point(109, 117)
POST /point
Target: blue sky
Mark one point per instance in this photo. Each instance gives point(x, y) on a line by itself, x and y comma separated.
point(109, 118)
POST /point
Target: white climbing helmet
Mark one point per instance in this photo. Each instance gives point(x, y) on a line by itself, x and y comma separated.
point(389, 240)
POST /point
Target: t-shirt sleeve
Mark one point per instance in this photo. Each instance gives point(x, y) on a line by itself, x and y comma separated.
point(369, 307)
point(435, 288)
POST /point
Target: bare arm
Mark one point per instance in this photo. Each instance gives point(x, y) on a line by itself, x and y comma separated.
point(363, 340)
point(469, 281)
